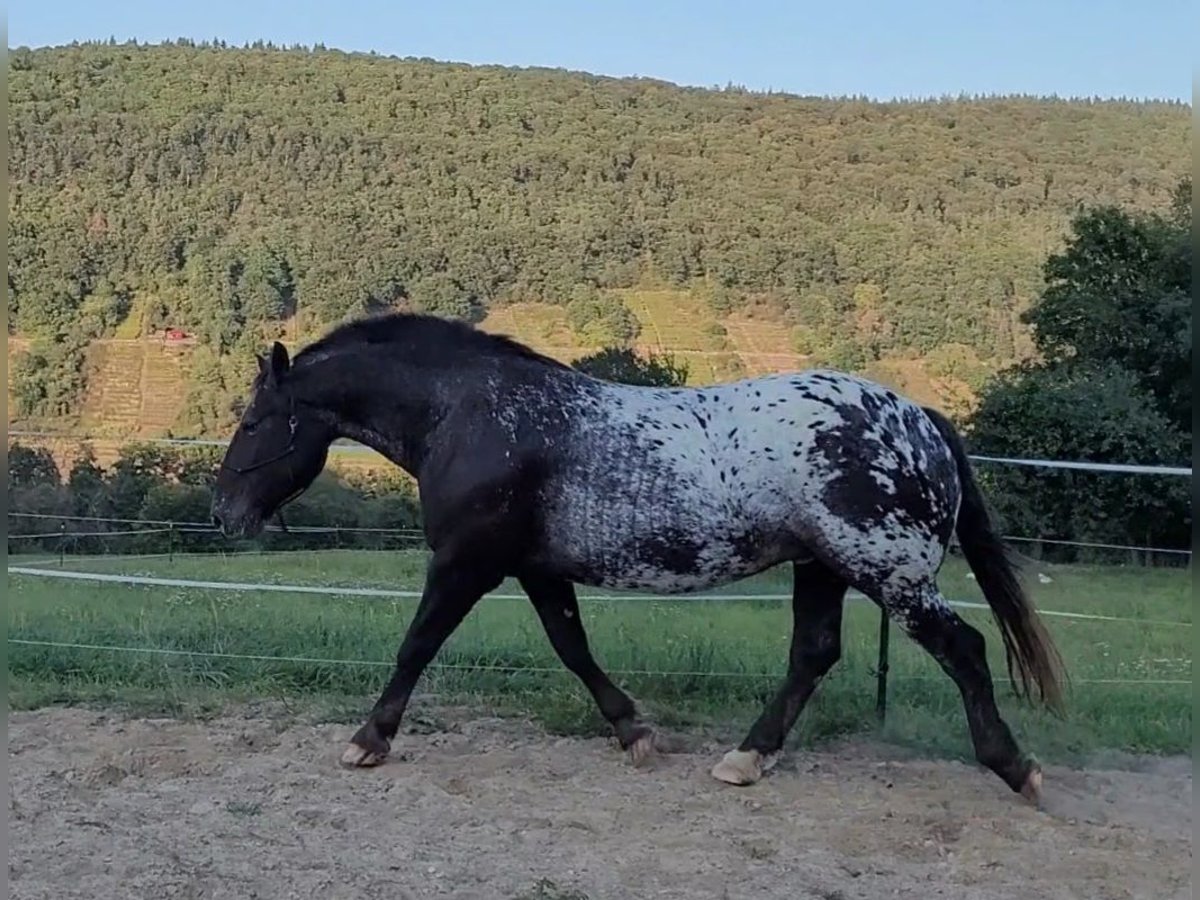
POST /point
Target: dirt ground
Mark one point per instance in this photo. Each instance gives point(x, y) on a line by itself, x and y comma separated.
point(106, 807)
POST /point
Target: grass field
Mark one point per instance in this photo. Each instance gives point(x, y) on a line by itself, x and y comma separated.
point(730, 651)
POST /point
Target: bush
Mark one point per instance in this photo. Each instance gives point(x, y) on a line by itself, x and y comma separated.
point(174, 485)
point(601, 318)
point(1090, 413)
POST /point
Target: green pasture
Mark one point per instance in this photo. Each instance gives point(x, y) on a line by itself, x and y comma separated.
point(704, 662)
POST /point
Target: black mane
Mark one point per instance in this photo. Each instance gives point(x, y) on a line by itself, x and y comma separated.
point(424, 338)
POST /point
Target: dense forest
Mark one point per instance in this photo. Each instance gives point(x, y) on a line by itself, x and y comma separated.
point(233, 191)
point(1111, 382)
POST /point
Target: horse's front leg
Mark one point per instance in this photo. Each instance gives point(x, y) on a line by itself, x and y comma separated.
point(452, 587)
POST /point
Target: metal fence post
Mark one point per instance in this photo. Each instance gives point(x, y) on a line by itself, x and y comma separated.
point(62, 544)
point(881, 668)
point(171, 543)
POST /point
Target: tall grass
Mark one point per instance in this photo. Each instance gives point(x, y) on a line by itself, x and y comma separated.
point(701, 661)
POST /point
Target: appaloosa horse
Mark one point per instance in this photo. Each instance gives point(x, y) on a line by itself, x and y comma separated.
point(530, 469)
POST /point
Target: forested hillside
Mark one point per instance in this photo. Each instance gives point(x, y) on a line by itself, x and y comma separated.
point(242, 193)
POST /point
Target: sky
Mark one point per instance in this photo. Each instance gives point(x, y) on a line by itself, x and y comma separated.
point(883, 50)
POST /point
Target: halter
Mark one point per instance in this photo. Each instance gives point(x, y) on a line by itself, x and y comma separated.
point(287, 451)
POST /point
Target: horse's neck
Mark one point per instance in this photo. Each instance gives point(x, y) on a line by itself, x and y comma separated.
point(392, 413)
point(395, 450)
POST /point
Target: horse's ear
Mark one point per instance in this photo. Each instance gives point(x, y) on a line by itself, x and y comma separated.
point(279, 362)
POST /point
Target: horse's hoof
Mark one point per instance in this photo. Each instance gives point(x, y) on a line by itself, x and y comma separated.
point(740, 767)
point(642, 750)
point(1031, 790)
point(356, 757)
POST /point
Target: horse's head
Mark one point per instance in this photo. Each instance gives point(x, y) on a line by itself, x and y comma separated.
point(280, 446)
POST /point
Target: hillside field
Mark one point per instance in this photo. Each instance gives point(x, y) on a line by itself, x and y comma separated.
point(138, 388)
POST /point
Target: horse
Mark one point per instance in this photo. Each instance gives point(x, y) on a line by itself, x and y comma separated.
point(528, 468)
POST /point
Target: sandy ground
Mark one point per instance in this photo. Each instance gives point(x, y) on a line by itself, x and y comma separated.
point(106, 807)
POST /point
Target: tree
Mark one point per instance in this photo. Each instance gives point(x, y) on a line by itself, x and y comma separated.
point(30, 466)
point(34, 486)
point(167, 502)
point(1113, 326)
point(626, 366)
point(870, 326)
point(175, 484)
point(138, 469)
point(601, 318)
point(1121, 292)
point(86, 485)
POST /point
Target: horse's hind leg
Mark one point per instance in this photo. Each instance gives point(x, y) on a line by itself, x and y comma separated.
point(817, 598)
point(557, 607)
point(960, 651)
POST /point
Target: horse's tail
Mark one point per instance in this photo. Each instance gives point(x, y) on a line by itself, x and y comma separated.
point(1026, 641)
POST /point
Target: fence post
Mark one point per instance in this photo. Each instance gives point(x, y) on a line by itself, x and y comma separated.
point(62, 544)
point(171, 542)
point(881, 668)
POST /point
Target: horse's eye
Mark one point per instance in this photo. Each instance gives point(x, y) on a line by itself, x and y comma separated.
point(249, 427)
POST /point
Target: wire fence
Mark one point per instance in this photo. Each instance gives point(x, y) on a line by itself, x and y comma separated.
point(413, 593)
point(490, 667)
point(149, 538)
point(162, 526)
point(342, 447)
point(207, 527)
point(880, 672)
point(116, 536)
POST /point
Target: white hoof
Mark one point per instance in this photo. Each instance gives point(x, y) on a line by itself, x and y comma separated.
point(1031, 790)
point(356, 757)
point(641, 750)
point(742, 767)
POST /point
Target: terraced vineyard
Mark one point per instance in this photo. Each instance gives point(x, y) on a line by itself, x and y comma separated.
point(673, 323)
point(134, 387)
point(763, 344)
point(113, 400)
point(682, 325)
point(542, 326)
point(165, 371)
point(137, 388)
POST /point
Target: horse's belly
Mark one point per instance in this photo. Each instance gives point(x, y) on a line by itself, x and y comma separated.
point(670, 559)
point(655, 579)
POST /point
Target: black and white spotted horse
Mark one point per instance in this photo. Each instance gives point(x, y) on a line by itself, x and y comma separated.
point(530, 469)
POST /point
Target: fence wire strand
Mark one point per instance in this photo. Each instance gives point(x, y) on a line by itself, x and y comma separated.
point(392, 594)
point(205, 528)
point(488, 667)
point(355, 447)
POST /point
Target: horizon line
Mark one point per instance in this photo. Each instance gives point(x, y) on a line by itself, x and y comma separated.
point(271, 46)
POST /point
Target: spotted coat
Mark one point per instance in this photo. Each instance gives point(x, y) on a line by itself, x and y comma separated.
point(678, 490)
